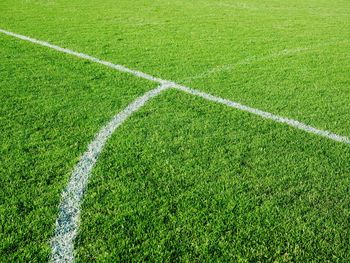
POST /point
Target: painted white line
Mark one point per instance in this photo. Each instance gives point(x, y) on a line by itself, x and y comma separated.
point(84, 56)
point(266, 115)
point(67, 223)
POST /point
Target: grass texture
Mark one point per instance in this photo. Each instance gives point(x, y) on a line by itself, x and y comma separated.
point(183, 179)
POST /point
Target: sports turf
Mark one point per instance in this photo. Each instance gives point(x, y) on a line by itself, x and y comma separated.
point(184, 179)
point(180, 39)
point(51, 108)
point(206, 183)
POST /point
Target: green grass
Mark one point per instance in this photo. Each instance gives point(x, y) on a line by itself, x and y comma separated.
point(209, 183)
point(180, 39)
point(51, 108)
point(183, 179)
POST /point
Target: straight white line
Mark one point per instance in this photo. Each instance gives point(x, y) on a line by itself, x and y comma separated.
point(84, 56)
point(67, 223)
point(266, 115)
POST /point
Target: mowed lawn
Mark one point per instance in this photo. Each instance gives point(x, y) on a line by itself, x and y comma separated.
point(183, 179)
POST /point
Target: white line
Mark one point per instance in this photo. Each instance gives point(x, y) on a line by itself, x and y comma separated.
point(266, 115)
point(84, 56)
point(67, 223)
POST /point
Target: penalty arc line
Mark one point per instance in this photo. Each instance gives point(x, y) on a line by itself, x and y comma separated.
point(232, 104)
point(67, 224)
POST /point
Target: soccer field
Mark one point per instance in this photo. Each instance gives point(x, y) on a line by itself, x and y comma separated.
point(192, 131)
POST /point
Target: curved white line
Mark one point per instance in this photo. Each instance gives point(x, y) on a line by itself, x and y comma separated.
point(67, 223)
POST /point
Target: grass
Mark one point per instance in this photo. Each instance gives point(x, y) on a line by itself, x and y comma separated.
point(183, 179)
point(50, 111)
point(180, 39)
point(206, 183)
